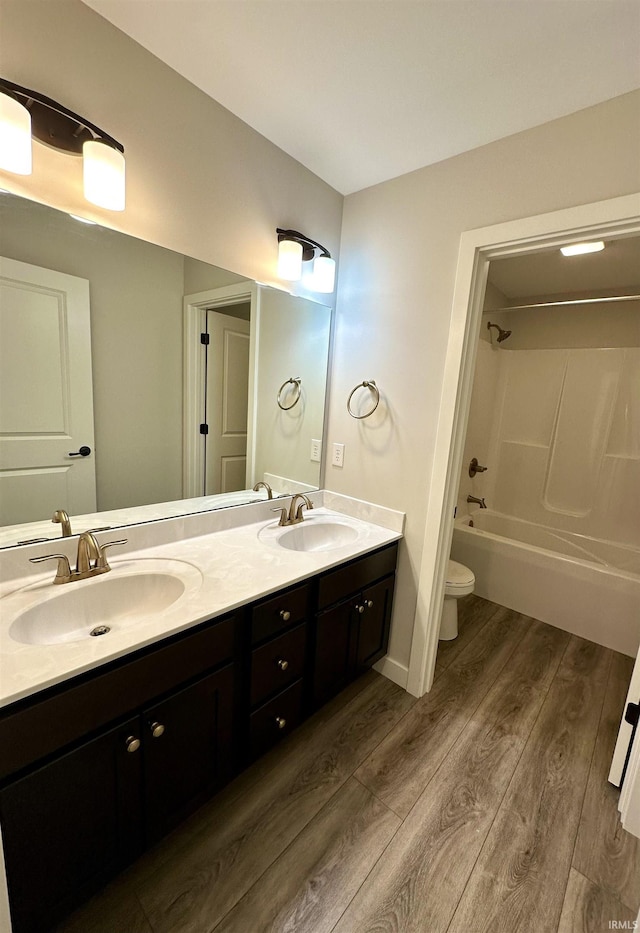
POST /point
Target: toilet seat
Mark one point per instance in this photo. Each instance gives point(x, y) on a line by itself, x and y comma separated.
point(460, 580)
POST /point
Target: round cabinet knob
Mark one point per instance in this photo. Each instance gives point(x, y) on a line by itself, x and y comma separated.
point(131, 743)
point(157, 729)
point(282, 664)
point(281, 722)
point(369, 604)
point(285, 615)
point(360, 609)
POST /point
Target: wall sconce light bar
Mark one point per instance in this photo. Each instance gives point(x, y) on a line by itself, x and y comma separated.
point(294, 248)
point(60, 128)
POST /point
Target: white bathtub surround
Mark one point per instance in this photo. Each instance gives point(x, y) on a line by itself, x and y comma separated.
point(224, 546)
point(587, 587)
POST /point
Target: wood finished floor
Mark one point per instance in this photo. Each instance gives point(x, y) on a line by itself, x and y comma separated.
point(484, 806)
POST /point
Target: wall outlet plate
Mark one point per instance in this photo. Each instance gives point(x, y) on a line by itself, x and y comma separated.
point(316, 451)
point(337, 457)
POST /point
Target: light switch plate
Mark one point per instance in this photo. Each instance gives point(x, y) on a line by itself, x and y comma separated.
point(316, 450)
point(338, 455)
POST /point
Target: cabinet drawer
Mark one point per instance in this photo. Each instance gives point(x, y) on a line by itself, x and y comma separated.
point(279, 613)
point(35, 729)
point(277, 664)
point(275, 719)
point(340, 583)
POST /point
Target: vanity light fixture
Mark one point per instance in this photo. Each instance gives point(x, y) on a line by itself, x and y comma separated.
point(25, 114)
point(294, 248)
point(577, 249)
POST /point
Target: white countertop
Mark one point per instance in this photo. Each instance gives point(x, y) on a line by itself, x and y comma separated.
point(236, 567)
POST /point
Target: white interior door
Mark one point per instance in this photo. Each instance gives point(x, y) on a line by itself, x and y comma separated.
point(227, 397)
point(622, 749)
point(46, 396)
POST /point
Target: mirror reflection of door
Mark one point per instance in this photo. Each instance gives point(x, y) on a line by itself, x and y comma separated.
point(46, 397)
point(226, 400)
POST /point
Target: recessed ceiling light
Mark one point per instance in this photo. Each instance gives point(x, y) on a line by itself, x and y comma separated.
point(576, 249)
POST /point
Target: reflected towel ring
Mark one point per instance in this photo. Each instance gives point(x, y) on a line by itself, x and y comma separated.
point(294, 380)
point(367, 384)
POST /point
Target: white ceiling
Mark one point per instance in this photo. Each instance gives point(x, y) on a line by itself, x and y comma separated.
point(615, 270)
point(360, 91)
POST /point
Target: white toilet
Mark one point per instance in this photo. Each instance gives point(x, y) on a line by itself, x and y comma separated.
point(460, 582)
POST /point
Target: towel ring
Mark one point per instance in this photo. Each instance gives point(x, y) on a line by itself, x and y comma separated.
point(294, 380)
point(367, 384)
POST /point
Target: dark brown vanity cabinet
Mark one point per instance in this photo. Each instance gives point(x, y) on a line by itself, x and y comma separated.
point(351, 628)
point(71, 820)
point(279, 628)
point(95, 769)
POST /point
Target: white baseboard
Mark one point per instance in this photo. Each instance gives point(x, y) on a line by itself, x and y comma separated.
point(393, 670)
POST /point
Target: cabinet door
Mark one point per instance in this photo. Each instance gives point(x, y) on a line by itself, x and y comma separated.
point(187, 749)
point(373, 622)
point(70, 824)
point(334, 648)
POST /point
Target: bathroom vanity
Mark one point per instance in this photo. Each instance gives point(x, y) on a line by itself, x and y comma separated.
point(102, 763)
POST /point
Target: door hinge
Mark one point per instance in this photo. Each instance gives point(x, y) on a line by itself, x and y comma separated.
point(205, 338)
point(632, 714)
point(204, 428)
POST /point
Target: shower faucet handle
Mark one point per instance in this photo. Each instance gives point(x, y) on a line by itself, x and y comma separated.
point(474, 467)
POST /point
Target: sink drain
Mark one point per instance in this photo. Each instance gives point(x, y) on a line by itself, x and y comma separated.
point(100, 630)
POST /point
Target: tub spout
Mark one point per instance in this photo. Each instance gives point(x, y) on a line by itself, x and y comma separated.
point(477, 501)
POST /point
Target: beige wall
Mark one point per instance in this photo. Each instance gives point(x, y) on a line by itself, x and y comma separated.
point(199, 180)
point(400, 245)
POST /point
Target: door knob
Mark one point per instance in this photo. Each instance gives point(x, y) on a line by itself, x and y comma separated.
point(83, 452)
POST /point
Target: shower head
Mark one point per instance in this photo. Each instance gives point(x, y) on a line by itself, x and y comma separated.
point(502, 334)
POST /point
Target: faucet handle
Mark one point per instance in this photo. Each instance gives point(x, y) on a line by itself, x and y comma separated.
point(284, 516)
point(63, 574)
point(102, 562)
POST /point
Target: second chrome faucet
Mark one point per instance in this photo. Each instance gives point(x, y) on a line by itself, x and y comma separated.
point(90, 560)
point(294, 515)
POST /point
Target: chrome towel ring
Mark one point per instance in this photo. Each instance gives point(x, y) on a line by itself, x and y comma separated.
point(294, 380)
point(367, 384)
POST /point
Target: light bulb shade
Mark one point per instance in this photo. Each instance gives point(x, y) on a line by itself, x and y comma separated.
point(15, 136)
point(289, 260)
point(324, 274)
point(577, 249)
point(104, 175)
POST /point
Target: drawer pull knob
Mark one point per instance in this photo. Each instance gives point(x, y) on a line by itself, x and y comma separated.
point(157, 729)
point(282, 664)
point(131, 743)
point(281, 722)
point(285, 615)
point(360, 609)
point(369, 604)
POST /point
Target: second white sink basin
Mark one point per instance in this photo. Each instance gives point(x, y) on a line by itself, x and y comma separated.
point(317, 532)
point(132, 592)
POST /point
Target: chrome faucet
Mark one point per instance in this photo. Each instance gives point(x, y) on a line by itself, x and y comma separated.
point(479, 502)
point(294, 515)
point(264, 486)
point(60, 517)
point(90, 560)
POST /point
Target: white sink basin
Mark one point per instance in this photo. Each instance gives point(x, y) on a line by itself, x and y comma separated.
point(317, 536)
point(314, 533)
point(132, 592)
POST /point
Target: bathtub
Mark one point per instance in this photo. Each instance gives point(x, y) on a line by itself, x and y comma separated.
point(588, 587)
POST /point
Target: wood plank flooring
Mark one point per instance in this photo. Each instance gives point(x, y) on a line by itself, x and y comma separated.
point(484, 806)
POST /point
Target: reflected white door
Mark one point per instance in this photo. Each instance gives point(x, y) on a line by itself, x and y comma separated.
point(227, 399)
point(46, 397)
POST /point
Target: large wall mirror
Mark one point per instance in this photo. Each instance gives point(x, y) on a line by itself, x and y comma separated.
point(137, 383)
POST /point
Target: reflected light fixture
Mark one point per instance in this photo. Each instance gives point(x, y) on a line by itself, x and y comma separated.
point(577, 249)
point(25, 114)
point(294, 248)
